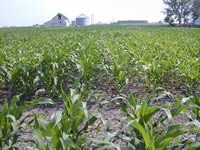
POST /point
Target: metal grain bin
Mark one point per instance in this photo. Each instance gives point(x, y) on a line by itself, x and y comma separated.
point(82, 20)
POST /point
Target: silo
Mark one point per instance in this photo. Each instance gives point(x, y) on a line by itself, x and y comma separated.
point(82, 20)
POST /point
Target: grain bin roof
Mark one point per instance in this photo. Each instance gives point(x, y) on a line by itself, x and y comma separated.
point(82, 16)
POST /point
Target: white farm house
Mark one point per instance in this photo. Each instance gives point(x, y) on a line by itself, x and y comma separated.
point(59, 20)
point(197, 22)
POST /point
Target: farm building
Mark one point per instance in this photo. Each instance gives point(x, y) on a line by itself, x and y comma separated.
point(132, 22)
point(197, 22)
point(59, 20)
point(82, 20)
point(73, 23)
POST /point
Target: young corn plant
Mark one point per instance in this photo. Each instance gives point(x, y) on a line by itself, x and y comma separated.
point(194, 105)
point(88, 61)
point(66, 127)
point(155, 133)
point(12, 124)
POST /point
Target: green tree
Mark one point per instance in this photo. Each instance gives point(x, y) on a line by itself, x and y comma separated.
point(196, 10)
point(178, 11)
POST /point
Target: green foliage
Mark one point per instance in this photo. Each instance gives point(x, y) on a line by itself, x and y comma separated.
point(60, 59)
point(196, 10)
point(150, 132)
point(195, 106)
point(66, 128)
point(13, 124)
point(10, 124)
point(178, 10)
point(46, 58)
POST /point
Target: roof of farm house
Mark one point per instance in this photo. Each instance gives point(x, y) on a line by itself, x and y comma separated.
point(58, 20)
point(132, 22)
point(61, 15)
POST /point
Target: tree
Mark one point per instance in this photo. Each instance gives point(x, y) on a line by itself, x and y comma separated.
point(169, 20)
point(196, 10)
point(178, 11)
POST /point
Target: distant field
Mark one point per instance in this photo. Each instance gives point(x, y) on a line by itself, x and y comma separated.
point(31, 58)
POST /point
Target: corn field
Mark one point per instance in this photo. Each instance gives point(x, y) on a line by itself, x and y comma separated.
point(126, 67)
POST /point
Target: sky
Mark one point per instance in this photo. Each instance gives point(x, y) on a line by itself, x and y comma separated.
point(30, 12)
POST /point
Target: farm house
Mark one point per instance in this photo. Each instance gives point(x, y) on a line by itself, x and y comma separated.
point(197, 23)
point(58, 20)
point(132, 22)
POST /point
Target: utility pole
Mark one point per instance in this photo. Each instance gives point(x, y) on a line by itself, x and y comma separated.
point(92, 18)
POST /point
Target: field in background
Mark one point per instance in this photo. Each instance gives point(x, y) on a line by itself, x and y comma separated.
point(118, 64)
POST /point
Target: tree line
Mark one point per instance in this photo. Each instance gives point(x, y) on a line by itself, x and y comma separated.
point(183, 12)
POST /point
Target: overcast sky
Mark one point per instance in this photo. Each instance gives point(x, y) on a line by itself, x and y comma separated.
point(29, 12)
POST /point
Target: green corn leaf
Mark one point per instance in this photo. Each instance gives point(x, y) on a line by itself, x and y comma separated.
point(145, 135)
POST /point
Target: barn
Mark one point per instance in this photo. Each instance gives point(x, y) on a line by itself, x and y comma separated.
point(58, 21)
